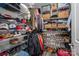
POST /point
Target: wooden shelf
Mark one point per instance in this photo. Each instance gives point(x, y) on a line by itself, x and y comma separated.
point(56, 29)
point(59, 18)
point(51, 20)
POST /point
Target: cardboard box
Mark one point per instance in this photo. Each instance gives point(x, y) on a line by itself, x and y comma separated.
point(61, 26)
point(48, 26)
point(66, 39)
point(63, 14)
point(54, 25)
point(46, 16)
point(54, 6)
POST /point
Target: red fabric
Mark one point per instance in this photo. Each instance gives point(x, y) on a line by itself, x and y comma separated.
point(1, 38)
point(23, 21)
point(19, 27)
point(5, 53)
point(62, 52)
point(41, 42)
point(28, 28)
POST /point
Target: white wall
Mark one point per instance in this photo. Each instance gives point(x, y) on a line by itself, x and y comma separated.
point(75, 28)
point(77, 20)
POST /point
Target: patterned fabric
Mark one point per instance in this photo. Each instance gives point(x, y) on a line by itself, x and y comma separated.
point(41, 42)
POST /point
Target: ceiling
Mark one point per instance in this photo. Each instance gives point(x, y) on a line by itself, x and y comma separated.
point(35, 5)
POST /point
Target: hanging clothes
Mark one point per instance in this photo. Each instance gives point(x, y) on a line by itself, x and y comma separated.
point(34, 48)
point(38, 20)
point(41, 42)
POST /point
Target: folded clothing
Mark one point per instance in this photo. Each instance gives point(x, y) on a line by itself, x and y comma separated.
point(22, 53)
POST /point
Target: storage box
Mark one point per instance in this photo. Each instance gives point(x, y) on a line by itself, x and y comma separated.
point(61, 26)
point(54, 25)
point(48, 26)
point(66, 39)
point(63, 14)
point(54, 6)
point(46, 16)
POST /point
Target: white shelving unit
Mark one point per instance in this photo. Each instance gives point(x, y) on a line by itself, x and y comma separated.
point(52, 19)
point(57, 20)
point(11, 46)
